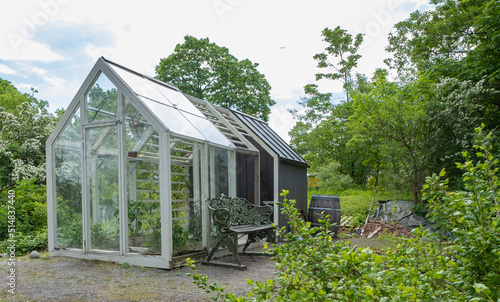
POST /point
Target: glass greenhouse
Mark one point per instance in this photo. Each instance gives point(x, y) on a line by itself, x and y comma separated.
point(131, 162)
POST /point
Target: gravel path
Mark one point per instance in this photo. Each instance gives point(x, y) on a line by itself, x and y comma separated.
point(69, 279)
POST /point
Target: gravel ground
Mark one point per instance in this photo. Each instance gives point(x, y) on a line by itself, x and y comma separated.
point(70, 279)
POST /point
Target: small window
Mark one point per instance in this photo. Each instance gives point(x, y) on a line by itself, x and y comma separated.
point(102, 100)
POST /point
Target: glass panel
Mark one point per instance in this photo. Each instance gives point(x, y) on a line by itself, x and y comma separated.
point(67, 169)
point(173, 119)
point(219, 177)
point(101, 100)
point(143, 202)
point(141, 85)
point(186, 211)
point(178, 100)
point(208, 130)
point(102, 156)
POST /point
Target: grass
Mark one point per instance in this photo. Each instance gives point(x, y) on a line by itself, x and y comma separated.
point(356, 202)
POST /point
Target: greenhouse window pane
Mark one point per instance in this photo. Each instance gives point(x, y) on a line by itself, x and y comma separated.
point(141, 85)
point(102, 160)
point(173, 119)
point(186, 211)
point(220, 174)
point(67, 168)
point(178, 100)
point(208, 130)
point(143, 185)
point(102, 100)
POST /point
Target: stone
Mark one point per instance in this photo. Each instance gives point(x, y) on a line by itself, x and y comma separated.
point(5, 255)
point(34, 255)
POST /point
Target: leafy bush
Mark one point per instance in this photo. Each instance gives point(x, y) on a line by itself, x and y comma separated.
point(330, 177)
point(30, 208)
point(473, 218)
point(423, 268)
point(26, 243)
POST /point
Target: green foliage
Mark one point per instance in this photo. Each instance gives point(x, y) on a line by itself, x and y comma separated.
point(208, 71)
point(71, 234)
point(102, 237)
point(26, 243)
point(330, 178)
point(343, 47)
point(180, 236)
point(320, 135)
point(25, 125)
point(401, 131)
point(473, 218)
point(423, 268)
point(30, 208)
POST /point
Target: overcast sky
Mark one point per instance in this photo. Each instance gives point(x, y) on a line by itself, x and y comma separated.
point(51, 45)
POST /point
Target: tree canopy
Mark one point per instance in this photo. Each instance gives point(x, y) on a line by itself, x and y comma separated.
point(25, 125)
point(401, 130)
point(205, 70)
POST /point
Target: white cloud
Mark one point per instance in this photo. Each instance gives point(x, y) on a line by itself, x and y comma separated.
point(14, 47)
point(6, 70)
point(96, 52)
point(54, 81)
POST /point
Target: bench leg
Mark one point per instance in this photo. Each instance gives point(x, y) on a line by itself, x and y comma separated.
point(271, 236)
point(231, 240)
point(218, 242)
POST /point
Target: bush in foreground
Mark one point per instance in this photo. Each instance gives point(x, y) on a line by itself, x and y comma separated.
point(314, 268)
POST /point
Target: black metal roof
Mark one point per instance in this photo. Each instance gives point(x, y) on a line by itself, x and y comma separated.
point(262, 130)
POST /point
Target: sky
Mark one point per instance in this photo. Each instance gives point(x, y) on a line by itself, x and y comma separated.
point(51, 45)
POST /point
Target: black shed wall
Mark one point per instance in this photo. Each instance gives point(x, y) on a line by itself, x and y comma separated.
point(294, 179)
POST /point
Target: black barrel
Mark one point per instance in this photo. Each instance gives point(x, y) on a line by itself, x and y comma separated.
point(328, 205)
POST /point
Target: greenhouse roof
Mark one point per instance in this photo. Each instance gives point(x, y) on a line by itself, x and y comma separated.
point(271, 138)
point(170, 106)
point(225, 122)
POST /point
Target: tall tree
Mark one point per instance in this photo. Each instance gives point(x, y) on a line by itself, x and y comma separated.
point(340, 56)
point(321, 133)
point(396, 116)
point(208, 71)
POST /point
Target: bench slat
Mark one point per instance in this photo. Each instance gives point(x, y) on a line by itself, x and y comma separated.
point(250, 228)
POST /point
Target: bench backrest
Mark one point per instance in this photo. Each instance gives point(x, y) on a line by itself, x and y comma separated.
point(241, 211)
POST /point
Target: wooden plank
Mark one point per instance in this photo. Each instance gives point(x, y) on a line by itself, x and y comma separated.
point(374, 232)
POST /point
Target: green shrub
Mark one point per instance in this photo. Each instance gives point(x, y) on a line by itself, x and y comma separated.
point(473, 219)
point(30, 217)
point(30, 203)
point(314, 268)
point(26, 243)
point(422, 268)
point(330, 177)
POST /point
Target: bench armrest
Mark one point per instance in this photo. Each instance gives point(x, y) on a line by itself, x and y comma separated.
point(221, 219)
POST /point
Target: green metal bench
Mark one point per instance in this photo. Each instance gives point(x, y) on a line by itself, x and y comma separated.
point(234, 217)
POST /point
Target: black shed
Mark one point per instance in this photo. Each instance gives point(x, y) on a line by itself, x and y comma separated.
point(281, 167)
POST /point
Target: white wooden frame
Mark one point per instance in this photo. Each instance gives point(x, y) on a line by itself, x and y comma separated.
point(127, 96)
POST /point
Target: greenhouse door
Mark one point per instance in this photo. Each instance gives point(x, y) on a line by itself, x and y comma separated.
point(102, 188)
